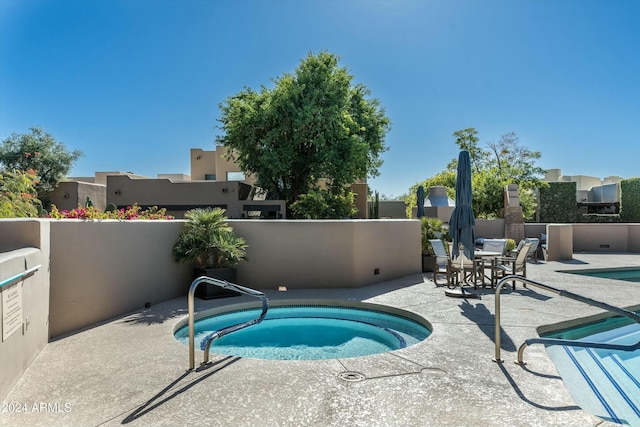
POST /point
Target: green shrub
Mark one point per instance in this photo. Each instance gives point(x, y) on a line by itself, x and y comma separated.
point(321, 204)
point(558, 202)
point(511, 245)
point(130, 213)
point(18, 195)
point(599, 218)
point(432, 228)
point(208, 241)
point(630, 200)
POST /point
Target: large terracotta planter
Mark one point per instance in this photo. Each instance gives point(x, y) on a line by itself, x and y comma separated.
point(209, 291)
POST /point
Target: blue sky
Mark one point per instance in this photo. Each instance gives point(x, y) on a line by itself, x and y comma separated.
point(134, 84)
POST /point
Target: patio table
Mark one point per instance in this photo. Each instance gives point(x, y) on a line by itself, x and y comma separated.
point(487, 259)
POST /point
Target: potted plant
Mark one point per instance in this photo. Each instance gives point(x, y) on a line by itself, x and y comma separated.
point(432, 228)
point(210, 244)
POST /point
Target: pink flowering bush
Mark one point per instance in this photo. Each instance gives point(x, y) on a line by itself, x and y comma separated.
point(130, 213)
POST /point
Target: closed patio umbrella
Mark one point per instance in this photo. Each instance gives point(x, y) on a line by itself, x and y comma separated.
point(462, 222)
point(420, 196)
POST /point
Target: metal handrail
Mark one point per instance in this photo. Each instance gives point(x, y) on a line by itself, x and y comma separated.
point(558, 341)
point(218, 334)
point(20, 276)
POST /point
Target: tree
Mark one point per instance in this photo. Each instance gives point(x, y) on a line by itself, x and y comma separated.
point(312, 125)
point(515, 162)
point(505, 162)
point(40, 152)
point(320, 204)
point(18, 195)
point(466, 139)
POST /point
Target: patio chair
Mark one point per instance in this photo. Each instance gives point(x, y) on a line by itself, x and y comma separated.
point(494, 245)
point(461, 264)
point(442, 260)
point(533, 250)
point(504, 266)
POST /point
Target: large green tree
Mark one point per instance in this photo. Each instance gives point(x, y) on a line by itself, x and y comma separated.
point(312, 125)
point(38, 151)
point(503, 162)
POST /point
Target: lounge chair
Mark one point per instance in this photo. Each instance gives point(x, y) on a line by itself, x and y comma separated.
point(533, 250)
point(504, 266)
point(442, 260)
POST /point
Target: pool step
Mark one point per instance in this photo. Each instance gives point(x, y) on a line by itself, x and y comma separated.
point(604, 382)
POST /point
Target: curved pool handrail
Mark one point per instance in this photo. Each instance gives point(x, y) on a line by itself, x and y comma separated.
point(558, 341)
point(225, 331)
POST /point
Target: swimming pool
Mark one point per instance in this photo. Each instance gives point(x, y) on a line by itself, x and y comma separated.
point(604, 382)
point(311, 330)
point(629, 274)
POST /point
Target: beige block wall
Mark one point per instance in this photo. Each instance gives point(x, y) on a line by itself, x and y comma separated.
point(490, 228)
point(634, 238)
point(205, 162)
point(22, 347)
point(327, 254)
point(443, 213)
point(390, 247)
point(361, 200)
point(559, 242)
point(603, 238)
point(534, 229)
point(396, 209)
point(69, 194)
point(202, 162)
point(104, 269)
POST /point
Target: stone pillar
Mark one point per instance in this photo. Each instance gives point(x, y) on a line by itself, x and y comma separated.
point(513, 218)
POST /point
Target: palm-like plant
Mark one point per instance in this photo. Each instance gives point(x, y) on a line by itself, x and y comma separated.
point(432, 228)
point(208, 241)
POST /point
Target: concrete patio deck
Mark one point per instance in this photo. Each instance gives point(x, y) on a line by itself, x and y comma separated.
point(131, 370)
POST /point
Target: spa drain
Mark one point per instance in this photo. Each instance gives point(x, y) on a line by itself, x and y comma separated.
point(352, 376)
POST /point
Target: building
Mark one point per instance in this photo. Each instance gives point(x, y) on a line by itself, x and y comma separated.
point(593, 195)
point(215, 181)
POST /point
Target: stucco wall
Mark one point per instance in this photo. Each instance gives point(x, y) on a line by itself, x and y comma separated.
point(180, 196)
point(103, 269)
point(69, 194)
point(532, 229)
point(391, 209)
point(559, 242)
point(603, 238)
point(490, 228)
point(19, 350)
point(634, 237)
point(327, 254)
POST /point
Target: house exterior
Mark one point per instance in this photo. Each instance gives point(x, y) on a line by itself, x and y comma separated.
point(593, 195)
point(215, 181)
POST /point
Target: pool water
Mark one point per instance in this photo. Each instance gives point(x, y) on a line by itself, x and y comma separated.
point(309, 333)
point(603, 382)
point(626, 274)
